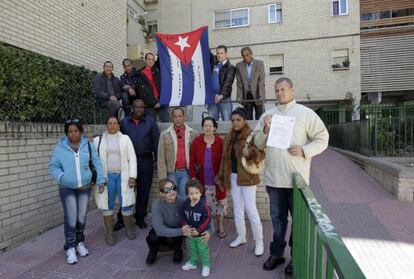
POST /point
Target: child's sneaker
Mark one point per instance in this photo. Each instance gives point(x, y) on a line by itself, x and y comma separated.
point(205, 272)
point(188, 266)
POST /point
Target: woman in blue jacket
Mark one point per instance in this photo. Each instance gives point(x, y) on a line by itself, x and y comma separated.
point(69, 165)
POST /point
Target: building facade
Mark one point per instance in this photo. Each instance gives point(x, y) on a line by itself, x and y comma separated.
point(81, 32)
point(315, 43)
point(387, 50)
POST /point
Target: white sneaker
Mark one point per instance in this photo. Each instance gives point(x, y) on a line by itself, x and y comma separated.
point(71, 253)
point(81, 249)
point(259, 249)
point(237, 242)
point(205, 272)
point(188, 266)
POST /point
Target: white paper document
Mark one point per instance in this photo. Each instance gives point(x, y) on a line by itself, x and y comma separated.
point(281, 131)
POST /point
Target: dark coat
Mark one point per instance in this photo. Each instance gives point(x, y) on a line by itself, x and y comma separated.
point(99, 87)
point(130, 80)
point(144, 88)
point(227, 74)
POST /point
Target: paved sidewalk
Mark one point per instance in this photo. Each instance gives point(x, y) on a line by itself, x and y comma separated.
point(43, 257)
point(376, 228)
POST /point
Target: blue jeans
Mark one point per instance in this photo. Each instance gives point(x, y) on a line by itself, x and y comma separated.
point(114, 188)
point(180, 178)
point(281, 201)
point(75, 207)
point(224, 108)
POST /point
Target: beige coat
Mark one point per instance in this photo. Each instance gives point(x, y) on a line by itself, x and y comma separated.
point(128, 169)
point(167, 150)
point(309, 132)
point(257, 83)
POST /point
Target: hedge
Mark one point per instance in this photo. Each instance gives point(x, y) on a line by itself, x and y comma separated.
point(37, 88)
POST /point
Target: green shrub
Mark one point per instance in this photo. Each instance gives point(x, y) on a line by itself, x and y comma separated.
point(37, 88)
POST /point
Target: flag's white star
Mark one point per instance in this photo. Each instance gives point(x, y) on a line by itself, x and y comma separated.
point(182, 43)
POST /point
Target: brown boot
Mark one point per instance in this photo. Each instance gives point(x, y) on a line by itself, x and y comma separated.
point(129, 226)
point(109, 235)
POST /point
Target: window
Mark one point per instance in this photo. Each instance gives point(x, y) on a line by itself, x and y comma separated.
point(339, 7)
point(276, 64)
point(152, 27)
point(274, 13)
point(369, 16)
point(232, 18)
point(403, 12)
point(384, 14)
point(340, 59)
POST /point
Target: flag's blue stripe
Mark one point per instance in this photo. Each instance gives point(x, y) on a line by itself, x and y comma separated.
point(207, 67)
point(166, 78)
point(188, 84)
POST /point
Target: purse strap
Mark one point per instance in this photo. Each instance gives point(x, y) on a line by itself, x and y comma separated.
point(246, 145)
point(90, 151)
point(99, 144)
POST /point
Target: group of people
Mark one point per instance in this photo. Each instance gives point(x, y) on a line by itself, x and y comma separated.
point(196, 173)
point(131, 85)
point(145, 84)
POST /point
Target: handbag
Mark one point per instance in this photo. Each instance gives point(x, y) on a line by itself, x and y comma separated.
point(250, 167)
point(101, 199)
point(91, 165)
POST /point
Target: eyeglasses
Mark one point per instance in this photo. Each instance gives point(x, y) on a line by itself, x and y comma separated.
point(72, 121)
point(169, 189)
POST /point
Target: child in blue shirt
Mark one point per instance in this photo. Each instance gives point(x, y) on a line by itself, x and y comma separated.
point(196, 216)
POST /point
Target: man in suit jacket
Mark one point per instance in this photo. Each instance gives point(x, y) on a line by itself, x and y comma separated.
point(250, 83)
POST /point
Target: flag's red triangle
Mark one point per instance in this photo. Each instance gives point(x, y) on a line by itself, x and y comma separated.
point(182, 45)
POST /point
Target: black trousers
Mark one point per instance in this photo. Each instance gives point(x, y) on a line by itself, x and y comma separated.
point(145, 170)
point(154, 242)
point(127, 102)
point(258, 108)
point(161, 112)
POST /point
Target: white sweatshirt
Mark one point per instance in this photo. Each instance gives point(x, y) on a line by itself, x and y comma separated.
point(309, 132)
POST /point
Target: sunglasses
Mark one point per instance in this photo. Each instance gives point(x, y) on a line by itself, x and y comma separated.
point(72, 121)
point(169, 189)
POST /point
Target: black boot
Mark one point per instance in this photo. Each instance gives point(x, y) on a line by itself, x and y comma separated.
point(118, 225)
point(119, 221)
point(151, 257)
point(272, 262)
point(178, 256)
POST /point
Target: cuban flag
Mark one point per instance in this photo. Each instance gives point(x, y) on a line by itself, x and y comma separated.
point(185, 68)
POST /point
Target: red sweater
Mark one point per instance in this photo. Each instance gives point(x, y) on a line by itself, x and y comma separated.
point(197, 152)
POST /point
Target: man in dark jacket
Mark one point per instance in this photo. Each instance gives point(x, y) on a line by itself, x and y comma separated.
point(223, 78)
point(128, 84)
point(148, 87)
point(144, 134)
point(107, 87)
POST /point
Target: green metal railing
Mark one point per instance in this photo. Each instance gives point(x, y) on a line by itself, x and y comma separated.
point(318, 250)
point(336, 114)
point(384, 137)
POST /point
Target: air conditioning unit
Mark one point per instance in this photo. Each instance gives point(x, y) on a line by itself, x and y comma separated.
point(136, 16)
point(150, 2)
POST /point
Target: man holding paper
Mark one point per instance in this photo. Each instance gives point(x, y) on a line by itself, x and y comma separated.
point(291, 134)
